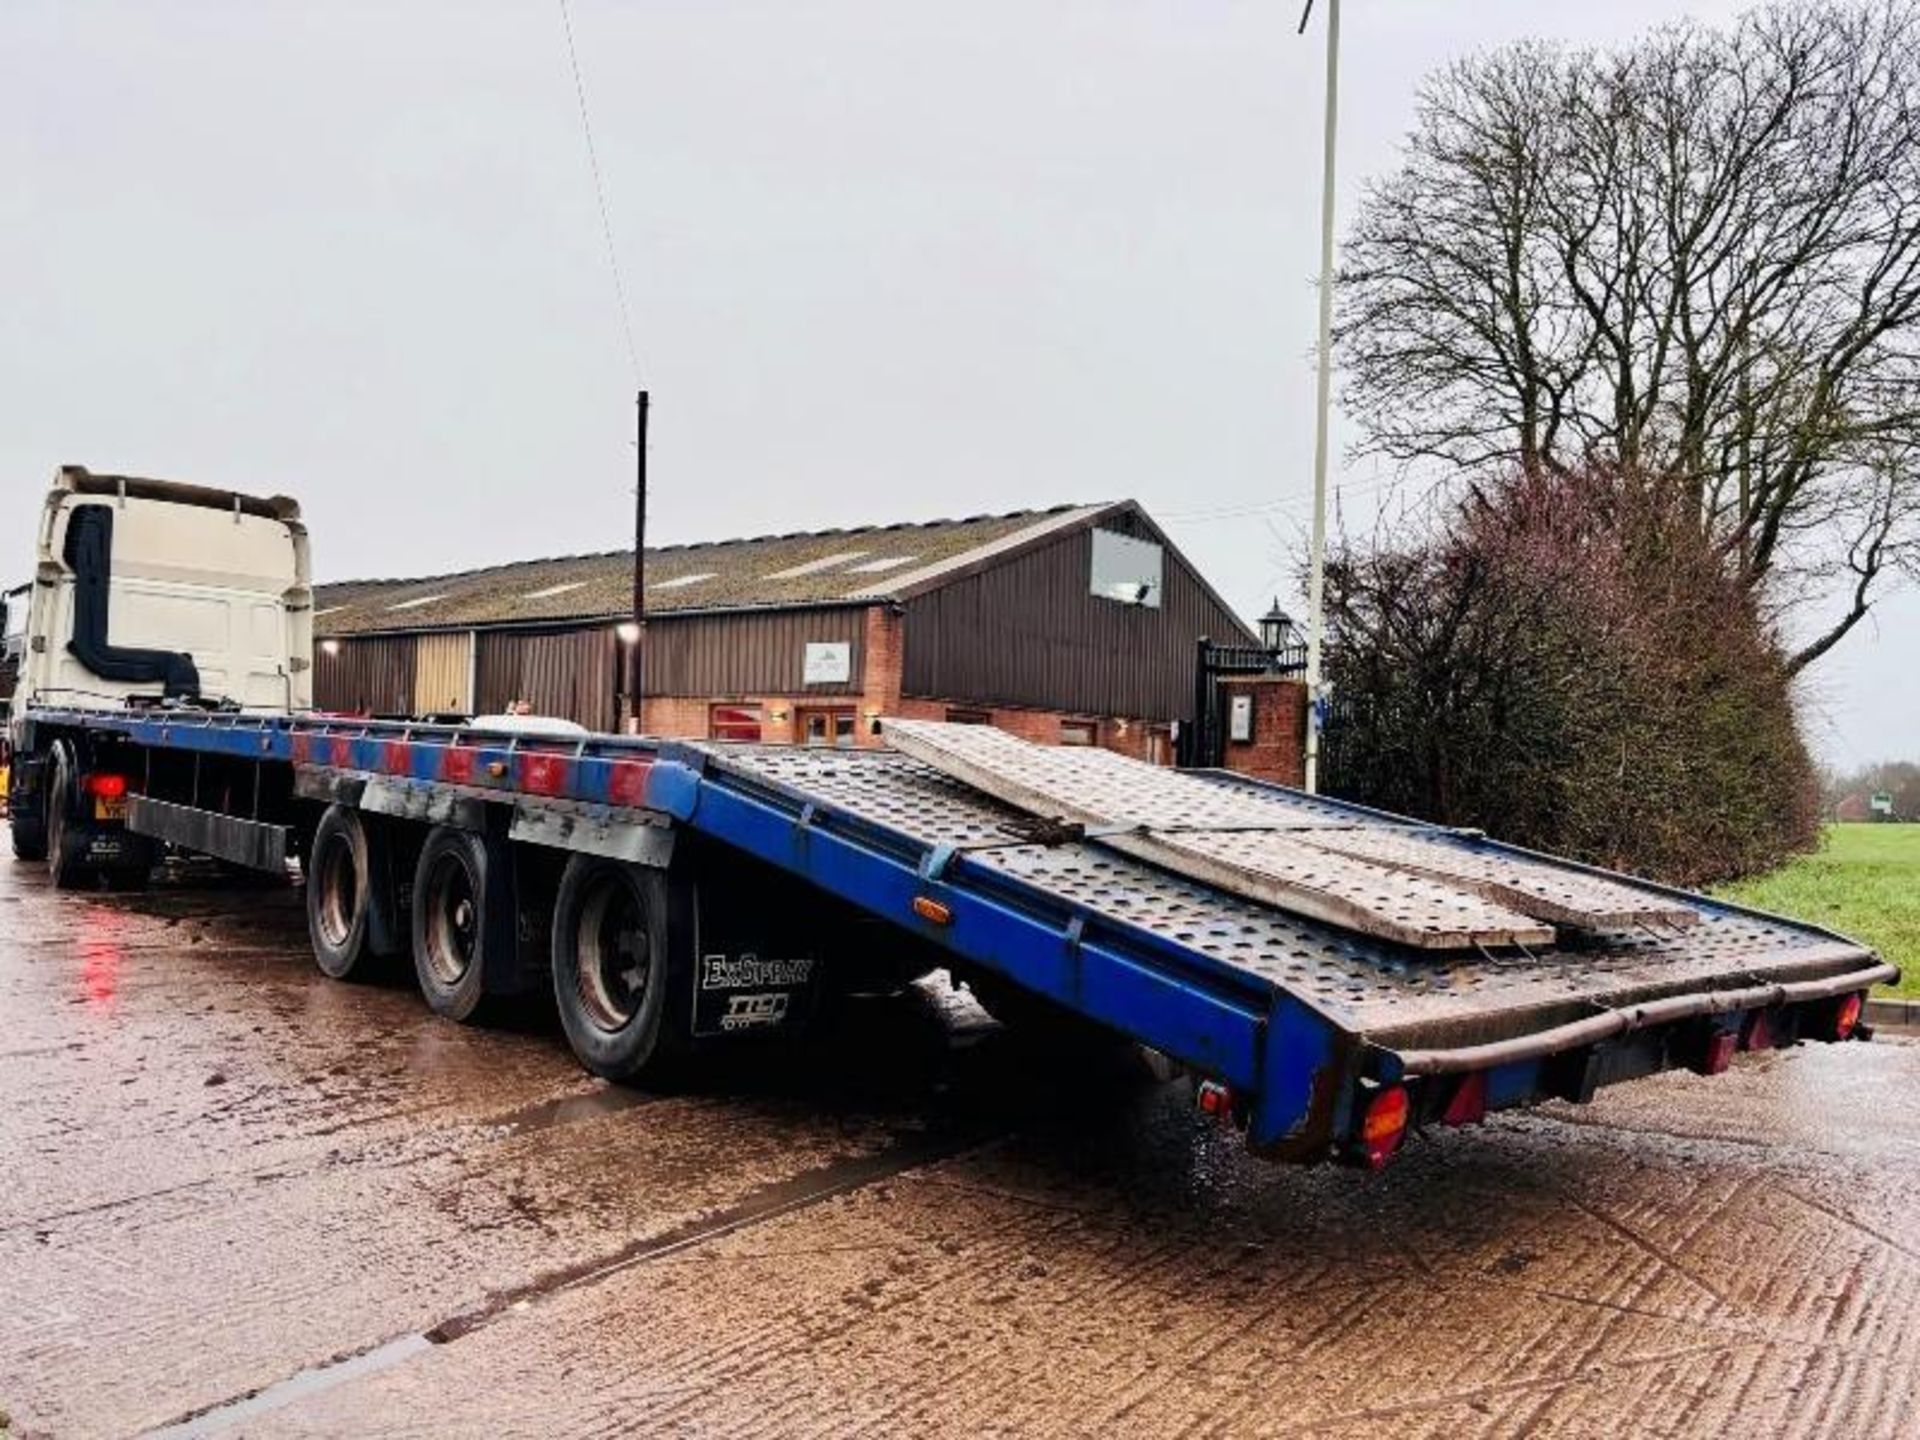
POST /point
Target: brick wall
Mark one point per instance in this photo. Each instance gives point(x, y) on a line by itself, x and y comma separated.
point(1278, 748)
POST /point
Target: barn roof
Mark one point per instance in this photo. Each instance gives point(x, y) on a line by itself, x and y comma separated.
point(820, 567)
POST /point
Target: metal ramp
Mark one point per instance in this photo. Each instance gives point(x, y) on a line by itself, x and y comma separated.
point(1391, 881)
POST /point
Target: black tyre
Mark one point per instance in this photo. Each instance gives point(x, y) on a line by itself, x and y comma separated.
point(1034, 1019)
point(29, 837)
point(345, 886)
point(134, 869)
point(67, 834)
point(455, 924)
point(622, 1000)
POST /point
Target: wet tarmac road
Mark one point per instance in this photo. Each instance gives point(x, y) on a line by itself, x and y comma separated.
point(237, 1198)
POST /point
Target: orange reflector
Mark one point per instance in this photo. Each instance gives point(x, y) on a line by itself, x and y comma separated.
point(107, 787)
point(927, 908)
point(1384, 1125)
point(1847, 1018)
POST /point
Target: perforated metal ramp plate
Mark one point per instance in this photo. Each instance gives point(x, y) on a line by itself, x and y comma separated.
point(1547, 892)
point(1241, 842)
point(1392, 996)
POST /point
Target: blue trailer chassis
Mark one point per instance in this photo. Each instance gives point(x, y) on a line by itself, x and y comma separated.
point(1297, 1077)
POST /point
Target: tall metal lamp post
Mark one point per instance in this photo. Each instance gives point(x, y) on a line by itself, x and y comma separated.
point(1317, 573)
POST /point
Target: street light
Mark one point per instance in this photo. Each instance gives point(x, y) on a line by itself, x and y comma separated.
point(1276, 629)
point(1317, 573)
point(628, 632)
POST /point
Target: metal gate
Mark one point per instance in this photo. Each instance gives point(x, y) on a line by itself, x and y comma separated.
point(1203, 738)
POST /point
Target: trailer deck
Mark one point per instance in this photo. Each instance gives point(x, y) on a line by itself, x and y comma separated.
point(1298, 1024)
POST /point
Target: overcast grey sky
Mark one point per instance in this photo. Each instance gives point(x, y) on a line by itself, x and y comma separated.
point(885, 260)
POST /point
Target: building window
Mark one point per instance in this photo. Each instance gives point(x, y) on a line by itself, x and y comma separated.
point(733, 722)
point(957, 716)
point(1126, 569)
point(827, 728)
point(1079, 732)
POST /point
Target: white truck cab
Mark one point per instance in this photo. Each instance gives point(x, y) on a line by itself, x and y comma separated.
point(143, 593)
point(151, 590)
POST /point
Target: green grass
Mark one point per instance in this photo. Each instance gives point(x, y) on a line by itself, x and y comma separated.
point(1864, 882)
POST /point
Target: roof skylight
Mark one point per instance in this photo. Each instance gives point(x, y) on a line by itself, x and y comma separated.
point(814, 567)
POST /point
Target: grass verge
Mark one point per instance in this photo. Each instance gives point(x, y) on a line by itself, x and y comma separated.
point(1863, 882)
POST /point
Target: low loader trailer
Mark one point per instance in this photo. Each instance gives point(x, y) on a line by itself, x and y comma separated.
point(1333, 977)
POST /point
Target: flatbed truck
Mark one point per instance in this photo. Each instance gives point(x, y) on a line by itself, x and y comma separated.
point(677, 896)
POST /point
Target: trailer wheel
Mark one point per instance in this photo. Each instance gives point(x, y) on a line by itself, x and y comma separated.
point(344, 884)
point(612, 967)
point(67, 838)
point(453, 926)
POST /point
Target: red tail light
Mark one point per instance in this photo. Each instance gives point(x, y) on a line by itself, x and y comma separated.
point(1469, 1103)
point(1846, 1019)
point(106, 786)
point(1215, 1100)
point(1718, 1054)
point(1384, 1125)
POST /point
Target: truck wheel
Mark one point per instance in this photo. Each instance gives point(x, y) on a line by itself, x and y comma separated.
point(613, 973)
point(134, 869)
point(29, 837)
point(344, 887)
point(453, 927)
point(67, 836)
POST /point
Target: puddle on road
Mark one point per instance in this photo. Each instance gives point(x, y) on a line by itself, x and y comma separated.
point(295, 1387)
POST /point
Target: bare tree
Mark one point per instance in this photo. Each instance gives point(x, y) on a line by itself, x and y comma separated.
point(1696, 259)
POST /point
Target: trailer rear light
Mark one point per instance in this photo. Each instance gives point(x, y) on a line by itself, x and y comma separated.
point(1469, 1103)
point(930, 909)
point(1384, 1125)
point(1846, 1017)
point(106, 786)
point(1717, 1054)
point(1215, 1100)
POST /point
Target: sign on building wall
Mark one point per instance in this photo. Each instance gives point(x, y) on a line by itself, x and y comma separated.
point(828, 663)
point(1240, 718)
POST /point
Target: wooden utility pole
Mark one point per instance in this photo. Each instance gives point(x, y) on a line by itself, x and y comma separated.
point(637, 646)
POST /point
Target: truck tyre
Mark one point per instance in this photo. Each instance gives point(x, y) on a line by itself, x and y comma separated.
point(67, 835)
point(346, 884)
point(622, 1000)
point(134, 870)
point(29, 837)
point(456, 921)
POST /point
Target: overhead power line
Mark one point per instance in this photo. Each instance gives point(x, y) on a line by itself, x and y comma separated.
point(600, 194)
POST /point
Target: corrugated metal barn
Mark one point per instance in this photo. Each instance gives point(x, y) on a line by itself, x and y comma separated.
point(1076, 624)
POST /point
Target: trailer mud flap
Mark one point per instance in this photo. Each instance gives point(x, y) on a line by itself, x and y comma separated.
point(749, 980)
point(745, 993)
